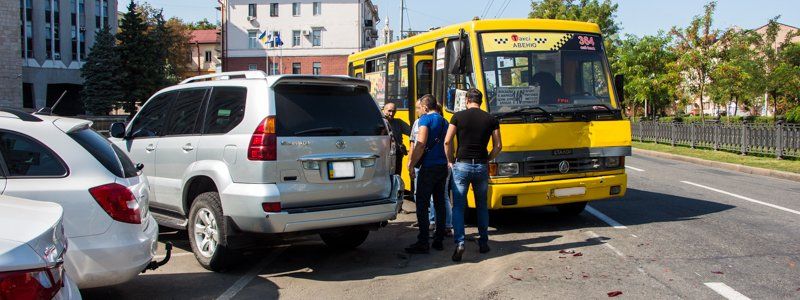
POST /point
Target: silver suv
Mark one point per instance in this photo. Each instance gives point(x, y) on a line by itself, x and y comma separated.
point(236, 155)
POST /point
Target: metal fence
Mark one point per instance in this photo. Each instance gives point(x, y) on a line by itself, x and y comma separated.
point(102, 123)
point(779, 140)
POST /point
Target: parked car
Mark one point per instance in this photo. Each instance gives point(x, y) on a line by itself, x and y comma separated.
point(234, 156)
point(111, 233)
point(32, 247)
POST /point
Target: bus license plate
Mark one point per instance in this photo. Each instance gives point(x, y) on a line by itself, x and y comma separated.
point(567, 192)
point(341, 170)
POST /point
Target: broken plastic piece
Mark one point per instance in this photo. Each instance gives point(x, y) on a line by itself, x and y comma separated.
point(614, 293)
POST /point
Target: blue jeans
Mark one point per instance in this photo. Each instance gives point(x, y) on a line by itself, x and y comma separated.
point(431, 182)
point(448, 209)
point(465, 175)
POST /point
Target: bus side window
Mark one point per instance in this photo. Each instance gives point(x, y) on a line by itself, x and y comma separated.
point(440, 71)
point(424, 71)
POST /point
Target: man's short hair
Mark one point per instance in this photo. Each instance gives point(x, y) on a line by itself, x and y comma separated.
point(474, 96)
point(429, 101)
point(389, 103)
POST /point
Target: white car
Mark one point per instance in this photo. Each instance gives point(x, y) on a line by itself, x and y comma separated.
point(111, 233)
point(32, 246)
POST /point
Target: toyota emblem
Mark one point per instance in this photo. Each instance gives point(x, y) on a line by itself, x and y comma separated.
point(340, 144)
point(563, 167)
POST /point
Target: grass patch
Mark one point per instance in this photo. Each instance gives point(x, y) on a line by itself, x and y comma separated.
point(786, 165)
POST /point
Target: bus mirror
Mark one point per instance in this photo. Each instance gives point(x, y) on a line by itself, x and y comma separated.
point(619, 85)
point(459, 54)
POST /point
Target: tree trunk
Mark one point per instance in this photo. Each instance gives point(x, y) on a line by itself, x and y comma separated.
point(736, 106)
point(702, 106)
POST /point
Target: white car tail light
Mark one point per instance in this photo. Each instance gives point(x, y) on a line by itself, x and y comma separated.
point(41, 283)
point(264, 142)
point(118, 202)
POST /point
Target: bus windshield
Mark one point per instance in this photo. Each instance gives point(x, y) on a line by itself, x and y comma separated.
point(552, 71)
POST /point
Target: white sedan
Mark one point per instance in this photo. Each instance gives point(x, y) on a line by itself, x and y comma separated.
point(32, 247)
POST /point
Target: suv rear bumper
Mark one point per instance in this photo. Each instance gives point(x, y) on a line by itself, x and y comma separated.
point(242, 204)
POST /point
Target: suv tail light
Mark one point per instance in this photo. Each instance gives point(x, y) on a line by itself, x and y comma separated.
point(118, 202)
point(41, 283)
point(264, 142)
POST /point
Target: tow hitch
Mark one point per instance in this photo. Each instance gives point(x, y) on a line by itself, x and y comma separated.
point(155, 264)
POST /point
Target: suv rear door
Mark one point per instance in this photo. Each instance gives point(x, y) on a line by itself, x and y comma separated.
point(333, 145)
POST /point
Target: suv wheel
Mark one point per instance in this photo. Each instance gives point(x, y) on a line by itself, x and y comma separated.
point(345, 239)
point(207, 233)
point(571, 209)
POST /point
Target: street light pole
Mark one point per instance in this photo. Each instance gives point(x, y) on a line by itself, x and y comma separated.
point(402, 14)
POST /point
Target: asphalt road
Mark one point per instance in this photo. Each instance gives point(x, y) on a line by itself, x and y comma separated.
point(682, 231)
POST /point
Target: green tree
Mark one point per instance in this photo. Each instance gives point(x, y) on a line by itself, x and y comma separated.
point(172, 35)
point(774, 67)
point(203, 24)
point(102, 75)
point(696, 52)
point(737, 77)
point(135, 50)
point(602, 13)
point(646, 64)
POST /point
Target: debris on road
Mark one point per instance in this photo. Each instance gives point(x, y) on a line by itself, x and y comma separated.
point(514, 277)
point(717, 272)
point(568, 251)
point(578, 254)
point(614, 293)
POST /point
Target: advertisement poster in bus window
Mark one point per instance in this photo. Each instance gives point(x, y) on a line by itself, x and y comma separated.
point(440, 59)
point(539, 41)
point(378, 86)
point(460, 100)
point(517, 96)
point(403, 77)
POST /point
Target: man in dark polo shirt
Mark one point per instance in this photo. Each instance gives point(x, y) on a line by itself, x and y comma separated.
point(473, 127)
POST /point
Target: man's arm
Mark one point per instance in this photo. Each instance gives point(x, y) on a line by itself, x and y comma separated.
point(418, 149)
point(497, 144)
point(448, 144)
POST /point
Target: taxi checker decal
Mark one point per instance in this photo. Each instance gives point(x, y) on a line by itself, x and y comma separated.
point(538, 41)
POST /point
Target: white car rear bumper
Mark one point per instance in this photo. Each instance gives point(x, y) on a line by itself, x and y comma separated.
point(114, 257)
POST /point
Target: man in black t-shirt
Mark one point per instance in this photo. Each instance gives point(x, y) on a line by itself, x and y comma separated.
point(473, 127)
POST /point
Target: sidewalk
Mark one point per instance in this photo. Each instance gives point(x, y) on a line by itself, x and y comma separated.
point(721, 165)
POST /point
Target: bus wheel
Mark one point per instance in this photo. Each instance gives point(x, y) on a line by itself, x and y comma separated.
point(571, 209)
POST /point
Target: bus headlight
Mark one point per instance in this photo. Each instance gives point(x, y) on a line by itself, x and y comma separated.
point(507, 169)
point(612, 162)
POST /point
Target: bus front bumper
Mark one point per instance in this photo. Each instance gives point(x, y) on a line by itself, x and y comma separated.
point(554, 192)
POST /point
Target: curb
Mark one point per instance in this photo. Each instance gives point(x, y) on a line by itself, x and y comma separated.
point(721, 165)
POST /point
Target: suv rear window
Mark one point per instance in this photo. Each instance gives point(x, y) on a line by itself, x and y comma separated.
point(108, 154)
point(322, 110)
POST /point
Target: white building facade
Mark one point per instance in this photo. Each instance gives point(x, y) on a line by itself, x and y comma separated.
point(317, 35)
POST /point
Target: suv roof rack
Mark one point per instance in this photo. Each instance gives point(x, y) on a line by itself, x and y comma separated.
point(22, 115)
point(227, 76)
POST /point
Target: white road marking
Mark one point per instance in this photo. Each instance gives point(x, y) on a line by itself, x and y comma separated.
point(594, 235)
point(608, 220)
point(633, 235)
point(159, 257)
point(246, 278)
point(634, 168)
point(743, 198)
point(726, 291)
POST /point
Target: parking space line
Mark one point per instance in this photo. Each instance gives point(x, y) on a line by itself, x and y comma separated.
point(743, 198)
point(604, 218)
point(634, 168)
point(609, 246)
point(726, 291)
point(246, 278)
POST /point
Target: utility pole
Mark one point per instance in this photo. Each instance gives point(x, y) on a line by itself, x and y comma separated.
point(402, 15)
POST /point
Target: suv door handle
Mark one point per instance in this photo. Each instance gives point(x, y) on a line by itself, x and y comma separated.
point(187, 147)
point(150, 148)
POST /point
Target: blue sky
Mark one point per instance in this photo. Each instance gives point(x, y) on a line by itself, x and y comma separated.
point(637, 17)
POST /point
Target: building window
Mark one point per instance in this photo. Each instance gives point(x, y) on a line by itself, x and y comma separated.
point(296, 68)
point(98, 14)
point(296, 9)
point(295, 38)
point(316, 37)
point(252, 67)
point(56, 30)
point(252, 37)
point(274, 68)
point(105, 13)
point(273, 9)
point(208, 56)
point(317, 8)
point(48, 29)
point(82, 29)
point(251, 10)
point(317, 69)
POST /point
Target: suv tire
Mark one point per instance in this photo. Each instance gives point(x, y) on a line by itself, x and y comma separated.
point(209, 245)
point(345, 239)
point(571, 209)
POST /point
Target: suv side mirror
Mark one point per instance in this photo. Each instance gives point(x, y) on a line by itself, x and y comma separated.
point(619, 85)
point(117, 130)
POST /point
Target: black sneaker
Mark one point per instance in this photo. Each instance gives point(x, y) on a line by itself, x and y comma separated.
point(418, 248)
point(437, 244)
point(458, 252)
point(483, 247)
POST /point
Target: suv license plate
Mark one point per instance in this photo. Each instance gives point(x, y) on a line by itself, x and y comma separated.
point(574, 191)
point(341, 170)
